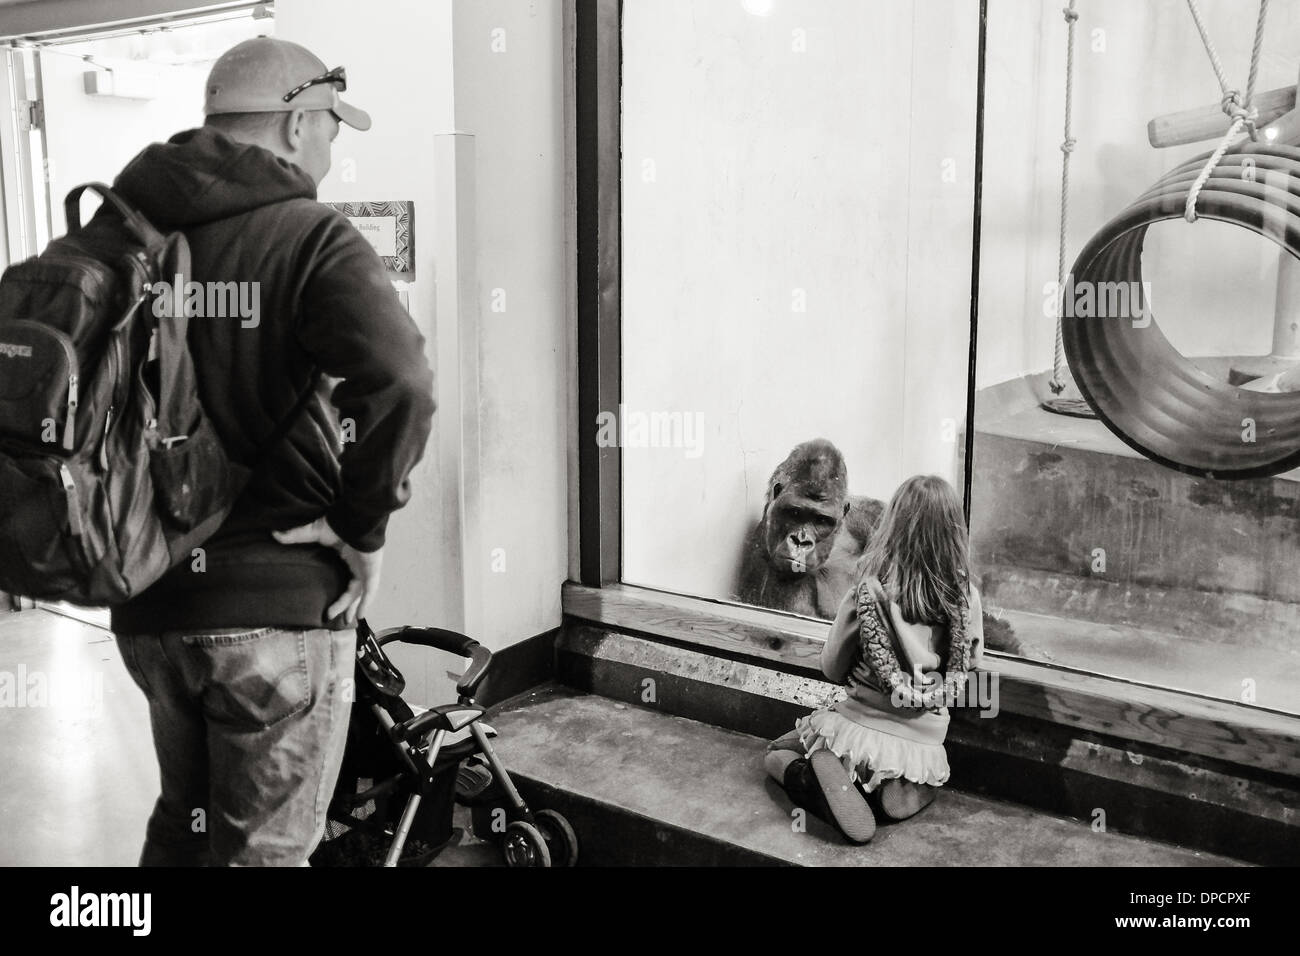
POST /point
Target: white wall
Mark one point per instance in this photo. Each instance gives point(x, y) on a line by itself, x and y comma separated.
point(489, 215)
point(1213, 285)
point(845, 171)
point(510, 98)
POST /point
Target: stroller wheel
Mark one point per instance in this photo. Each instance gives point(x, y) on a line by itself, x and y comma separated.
point(560, 838)
point(524, 845)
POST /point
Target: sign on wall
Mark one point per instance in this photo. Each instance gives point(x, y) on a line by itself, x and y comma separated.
point(390, 229)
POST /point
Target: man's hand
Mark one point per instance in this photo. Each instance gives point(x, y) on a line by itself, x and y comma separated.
point(363, 565)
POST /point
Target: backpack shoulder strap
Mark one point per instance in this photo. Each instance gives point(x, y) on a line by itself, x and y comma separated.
point(140, 227)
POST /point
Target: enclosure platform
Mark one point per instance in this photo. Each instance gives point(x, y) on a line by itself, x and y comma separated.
point(1108, 562)
point(645, 787)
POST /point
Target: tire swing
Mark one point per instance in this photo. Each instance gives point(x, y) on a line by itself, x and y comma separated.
point(1158, 402)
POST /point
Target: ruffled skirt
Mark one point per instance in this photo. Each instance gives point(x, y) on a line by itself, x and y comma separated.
point(875, 746)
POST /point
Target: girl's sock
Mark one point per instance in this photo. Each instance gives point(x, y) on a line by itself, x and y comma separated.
point(777, 761)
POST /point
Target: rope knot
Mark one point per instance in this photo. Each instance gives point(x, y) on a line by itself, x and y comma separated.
point(1068, 145)
point(1232, 105)
point(1070, 15)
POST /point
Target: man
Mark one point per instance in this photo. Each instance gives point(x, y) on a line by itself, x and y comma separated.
point(246, 651)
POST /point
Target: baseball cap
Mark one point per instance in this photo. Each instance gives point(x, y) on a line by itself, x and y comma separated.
point(266, 75)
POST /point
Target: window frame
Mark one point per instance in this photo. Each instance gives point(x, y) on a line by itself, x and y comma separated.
point(1241, 734)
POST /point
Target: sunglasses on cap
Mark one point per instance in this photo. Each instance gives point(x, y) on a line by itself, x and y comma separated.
point(337, 75)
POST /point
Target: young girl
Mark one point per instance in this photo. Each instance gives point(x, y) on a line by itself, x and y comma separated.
point(903, 641)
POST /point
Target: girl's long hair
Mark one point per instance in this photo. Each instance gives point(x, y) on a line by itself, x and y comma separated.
point(921, 552)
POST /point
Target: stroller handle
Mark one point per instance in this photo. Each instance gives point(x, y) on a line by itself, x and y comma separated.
point(450, 641)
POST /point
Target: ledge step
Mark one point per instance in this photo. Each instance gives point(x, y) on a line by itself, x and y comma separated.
point(643, 787)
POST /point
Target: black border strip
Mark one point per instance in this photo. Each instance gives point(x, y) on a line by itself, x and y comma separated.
point(968, 465)
point(598, 92)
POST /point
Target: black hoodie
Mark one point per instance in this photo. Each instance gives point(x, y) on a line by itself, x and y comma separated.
point(323, 302)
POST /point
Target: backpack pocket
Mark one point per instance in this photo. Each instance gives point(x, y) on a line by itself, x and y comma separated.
point(191, 476)
point(39, 384)
point(47, 548)
point(64, 288)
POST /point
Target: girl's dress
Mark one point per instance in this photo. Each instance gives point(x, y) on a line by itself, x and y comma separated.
point(875, 740)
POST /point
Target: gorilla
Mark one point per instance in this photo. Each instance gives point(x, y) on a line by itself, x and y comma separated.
point(802, 555)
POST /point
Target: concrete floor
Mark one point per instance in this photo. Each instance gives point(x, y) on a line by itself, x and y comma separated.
point(79, 775)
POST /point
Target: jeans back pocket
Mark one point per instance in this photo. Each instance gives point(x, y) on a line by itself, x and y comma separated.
point(252, 678)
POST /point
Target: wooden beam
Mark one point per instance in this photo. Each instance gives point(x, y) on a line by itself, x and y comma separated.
point(1209, 122)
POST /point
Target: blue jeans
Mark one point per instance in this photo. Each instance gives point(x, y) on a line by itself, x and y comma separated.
point(249, 728)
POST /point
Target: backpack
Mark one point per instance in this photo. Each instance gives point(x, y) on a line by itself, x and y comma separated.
point(110, 472)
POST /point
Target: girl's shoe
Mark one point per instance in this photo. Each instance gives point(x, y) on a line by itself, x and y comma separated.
point(822, 785)
point(900, 799)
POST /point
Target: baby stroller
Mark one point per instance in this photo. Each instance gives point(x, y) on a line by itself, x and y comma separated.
point(398, 782)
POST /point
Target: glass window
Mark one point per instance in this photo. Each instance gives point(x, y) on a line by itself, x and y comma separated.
point(798, 196)
point(1131, 550)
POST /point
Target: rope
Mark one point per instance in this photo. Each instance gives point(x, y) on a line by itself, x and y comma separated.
point(1057, 383)
point(1254, 58)
point(1209, 45)
point(1242, 112)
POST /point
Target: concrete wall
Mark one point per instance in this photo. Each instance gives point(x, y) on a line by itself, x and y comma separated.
point(824, 151)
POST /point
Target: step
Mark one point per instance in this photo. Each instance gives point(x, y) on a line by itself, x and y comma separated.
point(644, 787)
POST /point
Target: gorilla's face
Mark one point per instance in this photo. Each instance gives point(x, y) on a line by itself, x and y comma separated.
point(802, 522)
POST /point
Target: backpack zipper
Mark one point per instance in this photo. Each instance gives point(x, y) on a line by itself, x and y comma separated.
point(103, 442)
point(70, 493)
point(69, 425)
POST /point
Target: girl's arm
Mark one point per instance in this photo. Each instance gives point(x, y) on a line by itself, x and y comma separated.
point(966, 637)
point(877, 646)
point(842, 641)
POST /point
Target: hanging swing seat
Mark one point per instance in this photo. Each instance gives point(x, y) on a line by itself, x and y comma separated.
point(1233, 417)
point(1162, 404)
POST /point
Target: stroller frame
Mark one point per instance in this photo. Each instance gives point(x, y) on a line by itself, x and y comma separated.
point(543, 838)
